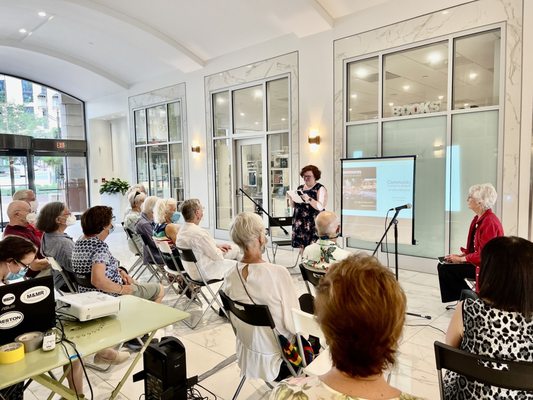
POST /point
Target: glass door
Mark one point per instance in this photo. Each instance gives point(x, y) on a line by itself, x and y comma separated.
point(251, 167)
point(13, 177)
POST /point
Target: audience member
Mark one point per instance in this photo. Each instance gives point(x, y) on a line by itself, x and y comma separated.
point(145, 227)
point(499, 323)
point(29, 197)
point(361, 309)
point(213, 260)
point(255, 281)
point(135, 199)
point(483, 228)
point(166, 217)
point(53, 220)
point(92, 260)
point(19, 225)
point(15, 254)
point(325, 251)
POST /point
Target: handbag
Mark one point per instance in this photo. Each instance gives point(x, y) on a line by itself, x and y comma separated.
point(289, 348)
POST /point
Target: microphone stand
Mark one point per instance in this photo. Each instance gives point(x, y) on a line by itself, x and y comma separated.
point(259, 208)
point(394, 221)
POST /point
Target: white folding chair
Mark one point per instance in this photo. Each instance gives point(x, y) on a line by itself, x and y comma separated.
point(305, 324)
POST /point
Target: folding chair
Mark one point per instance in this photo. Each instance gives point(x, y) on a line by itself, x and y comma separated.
point(277, 222)
point(187, 256)
point(67, 276)
point(255, 315)
point(513, 375)
point(156, 268)
point(136, 269)
point(174, 267)
point(310, 277)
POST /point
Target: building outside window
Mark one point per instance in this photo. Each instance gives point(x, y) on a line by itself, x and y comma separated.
point(440, 101)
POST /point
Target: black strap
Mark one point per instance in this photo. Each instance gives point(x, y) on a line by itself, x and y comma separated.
point(242, 281)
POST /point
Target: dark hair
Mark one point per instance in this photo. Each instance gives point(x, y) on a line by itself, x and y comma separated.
point(361, 309)
point(46, 221)
point(316, 172)
point(15, 247)
point(506, 274)
point(95, 219)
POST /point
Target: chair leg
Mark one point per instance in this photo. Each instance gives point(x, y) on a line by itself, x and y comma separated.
point(239, 388)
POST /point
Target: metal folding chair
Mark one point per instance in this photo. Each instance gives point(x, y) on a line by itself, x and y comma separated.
point(67, 277)
point(310, 277)
point(187, 256)
point(255, 315)
point(136, 269)
point(277, 222)
point(513, 375)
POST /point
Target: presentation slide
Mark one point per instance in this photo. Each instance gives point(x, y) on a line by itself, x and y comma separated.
point(370, 188)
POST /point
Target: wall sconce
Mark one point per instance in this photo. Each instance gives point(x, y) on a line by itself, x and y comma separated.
point(195, 149)
point(313, 140)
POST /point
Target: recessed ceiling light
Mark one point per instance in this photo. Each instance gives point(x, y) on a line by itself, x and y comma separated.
point(22, 30)
point(41, 14)
point(391, 104)
point(441, 97)
point(242, 114)
point(361, 72)
point(472, 75)
point(221, 100)
point(466, 105)
point(353, 95)
point(256, 123)
point(349, 109)
point(258, 94)
point(434, 57)
point(406, 87)
point(284, 119)
point(445, 12)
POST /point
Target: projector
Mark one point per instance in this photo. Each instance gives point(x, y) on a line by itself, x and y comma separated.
point(88, 305)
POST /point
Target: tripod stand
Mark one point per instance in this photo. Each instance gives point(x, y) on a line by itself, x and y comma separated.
point(394, 221)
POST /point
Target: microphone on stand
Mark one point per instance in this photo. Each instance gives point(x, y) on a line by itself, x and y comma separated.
point(408, 205)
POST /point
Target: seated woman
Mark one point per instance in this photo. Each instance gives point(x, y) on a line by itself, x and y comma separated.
point(361, 309)
point(255, 281)
point(484, 227)
point(99, 270)
point(53, 220)
point(15, 254)
point(499, 323)
point(166, 217)
point(145, 227)
point(135, 199)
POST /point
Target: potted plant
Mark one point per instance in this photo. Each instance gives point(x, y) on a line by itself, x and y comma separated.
point(114, 185)
point(112, 192)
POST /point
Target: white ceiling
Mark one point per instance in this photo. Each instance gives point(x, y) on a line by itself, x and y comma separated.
point(92, 48)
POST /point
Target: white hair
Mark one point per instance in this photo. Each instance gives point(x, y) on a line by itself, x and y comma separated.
point(246, 227)
point(136, 198)
point(161, 209)
point(484, 194)
point(149, 204)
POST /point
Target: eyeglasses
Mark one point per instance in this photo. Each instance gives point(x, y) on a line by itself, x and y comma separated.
point(22, 264)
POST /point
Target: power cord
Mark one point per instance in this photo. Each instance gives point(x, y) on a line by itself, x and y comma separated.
point(194, 394)
point(427, 325)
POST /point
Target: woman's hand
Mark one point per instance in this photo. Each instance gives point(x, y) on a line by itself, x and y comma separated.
point(128, 280)
point(455, 258)
point(224, 247)
point(306, 198)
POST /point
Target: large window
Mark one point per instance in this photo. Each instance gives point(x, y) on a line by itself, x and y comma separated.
point(159, 149)
point(455, 146)
point(260, 111)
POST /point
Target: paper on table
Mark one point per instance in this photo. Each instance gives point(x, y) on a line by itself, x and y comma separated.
point(295, 196)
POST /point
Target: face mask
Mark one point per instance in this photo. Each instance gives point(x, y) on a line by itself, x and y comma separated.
point(71, 220)
point(111, 229)
point(34, 205)
point(12, 276)
point(31, 218)
point(175, 216)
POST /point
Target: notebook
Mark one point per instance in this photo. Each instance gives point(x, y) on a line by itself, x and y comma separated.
point(26, 306)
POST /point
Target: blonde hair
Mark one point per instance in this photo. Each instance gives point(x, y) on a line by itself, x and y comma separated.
point(162, 209)
point(136, 198)
point(149, 204)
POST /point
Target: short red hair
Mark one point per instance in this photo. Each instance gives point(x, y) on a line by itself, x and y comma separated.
point(316, 172)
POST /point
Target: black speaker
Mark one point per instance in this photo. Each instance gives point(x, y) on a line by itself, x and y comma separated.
point(165, 370)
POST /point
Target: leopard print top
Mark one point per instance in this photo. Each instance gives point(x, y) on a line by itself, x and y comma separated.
point(494, 333)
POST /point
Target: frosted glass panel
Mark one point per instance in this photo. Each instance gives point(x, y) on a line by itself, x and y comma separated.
point(424, 137)
point(223, 191)
point(363, 89)
point(473, 159)
point(362, 141)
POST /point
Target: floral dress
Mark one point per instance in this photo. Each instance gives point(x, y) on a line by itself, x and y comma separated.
point(303, 219)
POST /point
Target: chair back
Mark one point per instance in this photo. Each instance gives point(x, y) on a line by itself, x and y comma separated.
point(187, 255)
point(251, 314)
point(309, 276)
point(513, 375)
point(276, 222)
point(190, 263)
point(305, 324)
point(132, 236)
point(170, 257)
point(68, 276)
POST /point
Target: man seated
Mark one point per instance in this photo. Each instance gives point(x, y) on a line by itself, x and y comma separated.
point(29, 197)
point(213, 260)
point(325, 251)
point(18, 212)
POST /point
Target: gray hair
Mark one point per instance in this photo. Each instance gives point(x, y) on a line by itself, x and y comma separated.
point(162, 208)
point(246, 227)
point(149, 204)
point(484, 194)
point(189, 207)
point(139, 187)
point(136, 198)
point(23, 194)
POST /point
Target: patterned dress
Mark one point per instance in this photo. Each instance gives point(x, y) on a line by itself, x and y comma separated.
point(494, 333)
point(303, 219)
point(312, 388)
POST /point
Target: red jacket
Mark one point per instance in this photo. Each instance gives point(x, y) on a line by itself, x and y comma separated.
point(488, 227)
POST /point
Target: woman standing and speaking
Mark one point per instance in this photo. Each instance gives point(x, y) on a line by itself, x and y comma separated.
point(315, 198)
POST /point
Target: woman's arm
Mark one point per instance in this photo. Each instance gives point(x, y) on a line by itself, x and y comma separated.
point(171, 230)
point(103, 283)
point(320, 203)
point(455, 332)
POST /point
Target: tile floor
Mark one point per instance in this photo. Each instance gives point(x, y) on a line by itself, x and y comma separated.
point(213, 341)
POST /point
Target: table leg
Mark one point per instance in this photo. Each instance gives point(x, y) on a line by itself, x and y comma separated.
point(55, 386)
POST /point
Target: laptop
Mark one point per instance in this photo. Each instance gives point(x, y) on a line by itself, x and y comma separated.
point(26, 306)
